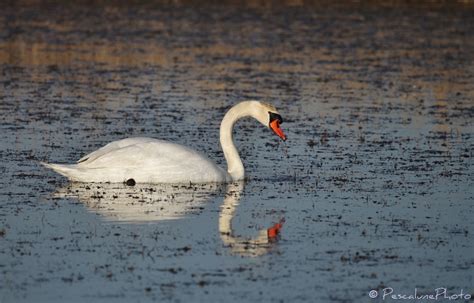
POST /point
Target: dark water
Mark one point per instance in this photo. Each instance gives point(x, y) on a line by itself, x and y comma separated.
point(375, 182)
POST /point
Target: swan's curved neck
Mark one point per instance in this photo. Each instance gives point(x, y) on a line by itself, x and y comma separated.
point(235, 168)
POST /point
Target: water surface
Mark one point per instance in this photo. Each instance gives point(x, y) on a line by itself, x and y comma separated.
point(375, 182)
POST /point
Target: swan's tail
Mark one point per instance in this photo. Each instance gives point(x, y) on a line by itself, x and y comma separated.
point(67, 170)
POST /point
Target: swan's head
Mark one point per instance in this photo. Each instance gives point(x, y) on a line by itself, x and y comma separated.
point(269, 116)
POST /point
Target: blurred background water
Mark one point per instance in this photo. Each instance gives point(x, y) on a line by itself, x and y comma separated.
point(375, 181)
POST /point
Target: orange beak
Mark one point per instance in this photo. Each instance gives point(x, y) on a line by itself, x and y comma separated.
point(273, 231)
point(275, 126)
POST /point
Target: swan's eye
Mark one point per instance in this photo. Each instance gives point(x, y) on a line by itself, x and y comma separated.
point(274, 116)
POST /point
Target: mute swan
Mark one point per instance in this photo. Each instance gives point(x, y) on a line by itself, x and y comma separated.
point(148, 160)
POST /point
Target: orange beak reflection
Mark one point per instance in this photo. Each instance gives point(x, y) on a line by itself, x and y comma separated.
point(275, 126)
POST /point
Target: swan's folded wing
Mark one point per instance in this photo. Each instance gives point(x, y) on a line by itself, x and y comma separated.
point(155, 162)
point(147, 155)
point(137, 155)
point(111, 147)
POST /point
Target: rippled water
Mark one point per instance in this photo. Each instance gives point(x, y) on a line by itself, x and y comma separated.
point(375, 183)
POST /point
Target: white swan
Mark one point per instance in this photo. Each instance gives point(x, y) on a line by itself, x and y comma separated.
point(148, 160)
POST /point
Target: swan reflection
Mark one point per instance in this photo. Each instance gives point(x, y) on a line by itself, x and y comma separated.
point(245, 246)
point(146, 203)
point(141, 203)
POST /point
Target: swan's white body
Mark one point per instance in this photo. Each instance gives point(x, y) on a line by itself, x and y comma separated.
point(145, 160)
point(148, 160)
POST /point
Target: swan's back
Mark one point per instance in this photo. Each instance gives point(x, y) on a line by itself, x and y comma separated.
point(146, 160)
point(114, 146)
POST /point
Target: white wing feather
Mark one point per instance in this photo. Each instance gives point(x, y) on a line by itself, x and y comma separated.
point(113, 146)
